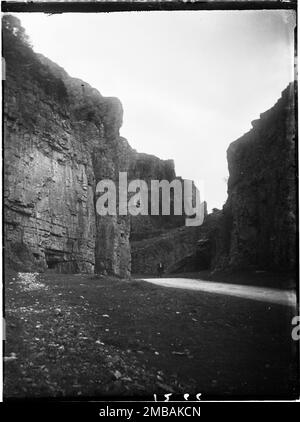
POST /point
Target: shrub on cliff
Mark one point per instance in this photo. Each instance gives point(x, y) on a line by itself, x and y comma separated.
point(13, 33)
point(21, 60)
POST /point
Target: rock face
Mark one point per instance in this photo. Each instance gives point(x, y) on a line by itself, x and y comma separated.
point(61, 137)
point(179, 249)
point(258, 224)
point(170, 248)
point(257, 227)
point(148, 167)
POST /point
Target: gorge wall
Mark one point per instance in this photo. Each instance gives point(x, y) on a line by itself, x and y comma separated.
point(61, 137)
point(181, 249)
point(258, 226)
point(147, 167)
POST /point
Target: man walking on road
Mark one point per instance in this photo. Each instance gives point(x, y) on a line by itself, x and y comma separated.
point(160, 269)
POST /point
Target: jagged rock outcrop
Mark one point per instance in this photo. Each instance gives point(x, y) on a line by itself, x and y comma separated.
point(258, 224)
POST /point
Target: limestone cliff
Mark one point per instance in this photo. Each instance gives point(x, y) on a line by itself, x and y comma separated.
point(61, 137)
point(148, 167)
point(179, 249)
point(258, 225)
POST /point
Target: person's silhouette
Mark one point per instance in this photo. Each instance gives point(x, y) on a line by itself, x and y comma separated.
point(160, 269)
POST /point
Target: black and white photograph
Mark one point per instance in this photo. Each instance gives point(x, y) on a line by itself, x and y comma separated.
point(150, 204)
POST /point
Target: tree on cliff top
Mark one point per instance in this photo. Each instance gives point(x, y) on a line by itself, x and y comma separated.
point(22, 63)
point(12, 31)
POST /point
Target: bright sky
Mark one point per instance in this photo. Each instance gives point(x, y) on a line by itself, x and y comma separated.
point(190, 82)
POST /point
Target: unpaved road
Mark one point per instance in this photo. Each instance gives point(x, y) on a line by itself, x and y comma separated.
point(282, 297)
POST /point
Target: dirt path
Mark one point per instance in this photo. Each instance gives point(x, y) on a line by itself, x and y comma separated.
point(282, 297)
